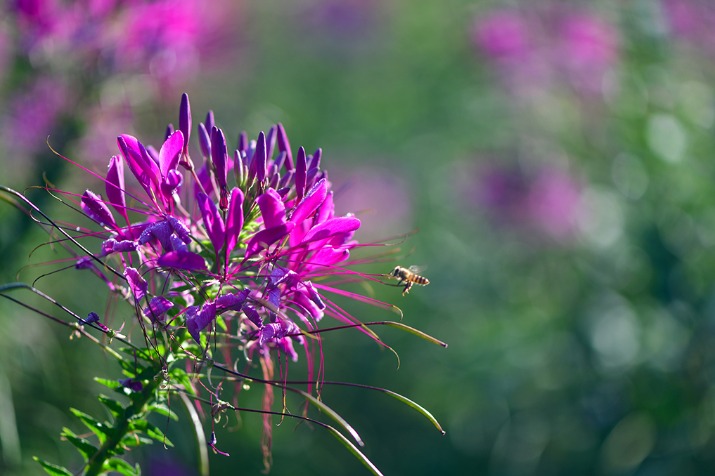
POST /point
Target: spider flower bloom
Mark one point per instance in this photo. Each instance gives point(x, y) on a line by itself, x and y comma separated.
point(254, 249)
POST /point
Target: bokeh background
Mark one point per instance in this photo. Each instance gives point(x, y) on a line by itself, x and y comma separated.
point(554, 159)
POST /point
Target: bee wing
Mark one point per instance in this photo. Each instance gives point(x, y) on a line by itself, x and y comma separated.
point(417, 269)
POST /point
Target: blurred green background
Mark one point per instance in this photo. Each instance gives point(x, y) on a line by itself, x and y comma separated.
point(555, 160)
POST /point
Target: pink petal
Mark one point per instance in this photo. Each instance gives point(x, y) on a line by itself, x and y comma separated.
point(272, 208)
point(312, 200)
point(170, 152)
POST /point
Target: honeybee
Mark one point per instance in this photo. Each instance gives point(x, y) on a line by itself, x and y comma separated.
point(408, 277)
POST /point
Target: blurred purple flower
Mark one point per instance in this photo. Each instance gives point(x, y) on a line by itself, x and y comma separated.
point(546, 200)
point(692, 21)
point(32, 114)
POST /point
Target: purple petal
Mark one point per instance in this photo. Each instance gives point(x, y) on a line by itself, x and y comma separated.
point(243, 142)
point(170, 153)
point(185, 121)
point(180, 229)
point(114, 185)
point(312, 200)
point(300, 174)
point(212, 221)
point(160, 230)
point(205, 180)
point(270, 142)
point(272, 208)
point(238, 167)
point(209, 122)
point(198, 319)
point(231, 301)
point(182, 259)
point(92, 317)
point(315, 159)
point(204, 141)
point(94, 208)
point(219, 156)
point(234, 220)
point(157, 308)
point(258, 164)
point(252, 315)
point(284, 146)
point(265, 238)
point(136, 283)
point(113, 246)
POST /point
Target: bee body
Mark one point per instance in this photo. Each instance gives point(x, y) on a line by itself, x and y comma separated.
point(408, 277)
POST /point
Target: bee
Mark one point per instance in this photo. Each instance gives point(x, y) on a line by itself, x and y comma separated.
point(408, 277)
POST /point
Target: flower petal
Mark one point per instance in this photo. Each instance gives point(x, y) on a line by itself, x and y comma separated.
point(198, 319)
point(94, 208)
point(219, 156)
point(114, 185)
point(272, 208)
point(181, 259)
point(312, 200)
point(212, 221)
point(137, 284)
point(170, 152)
point(265, 238)
point(284, 146)
point(234, 220)
point(185, 121)
point(300, 174)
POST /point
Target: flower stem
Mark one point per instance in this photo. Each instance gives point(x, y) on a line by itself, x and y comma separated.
point(137, 410)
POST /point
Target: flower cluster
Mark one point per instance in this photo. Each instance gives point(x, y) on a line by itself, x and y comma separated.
point(248, 252)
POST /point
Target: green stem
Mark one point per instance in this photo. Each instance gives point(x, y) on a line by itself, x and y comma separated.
point(137, 410)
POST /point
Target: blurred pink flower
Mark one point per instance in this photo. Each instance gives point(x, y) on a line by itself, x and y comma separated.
point(165, 39)
point(542, 48)
point(503, 35)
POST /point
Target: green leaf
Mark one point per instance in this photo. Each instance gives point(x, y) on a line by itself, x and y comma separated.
point(52, 469)
point(112, 384)
point(178, 376)
point(415, 406)
point(162, 409)
point(353, 449)
point(97, 427)
point(120, 466)
point(134, 440)
point(114, 407)
point(86, 448)
point(151, 430)
point(416, 332)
